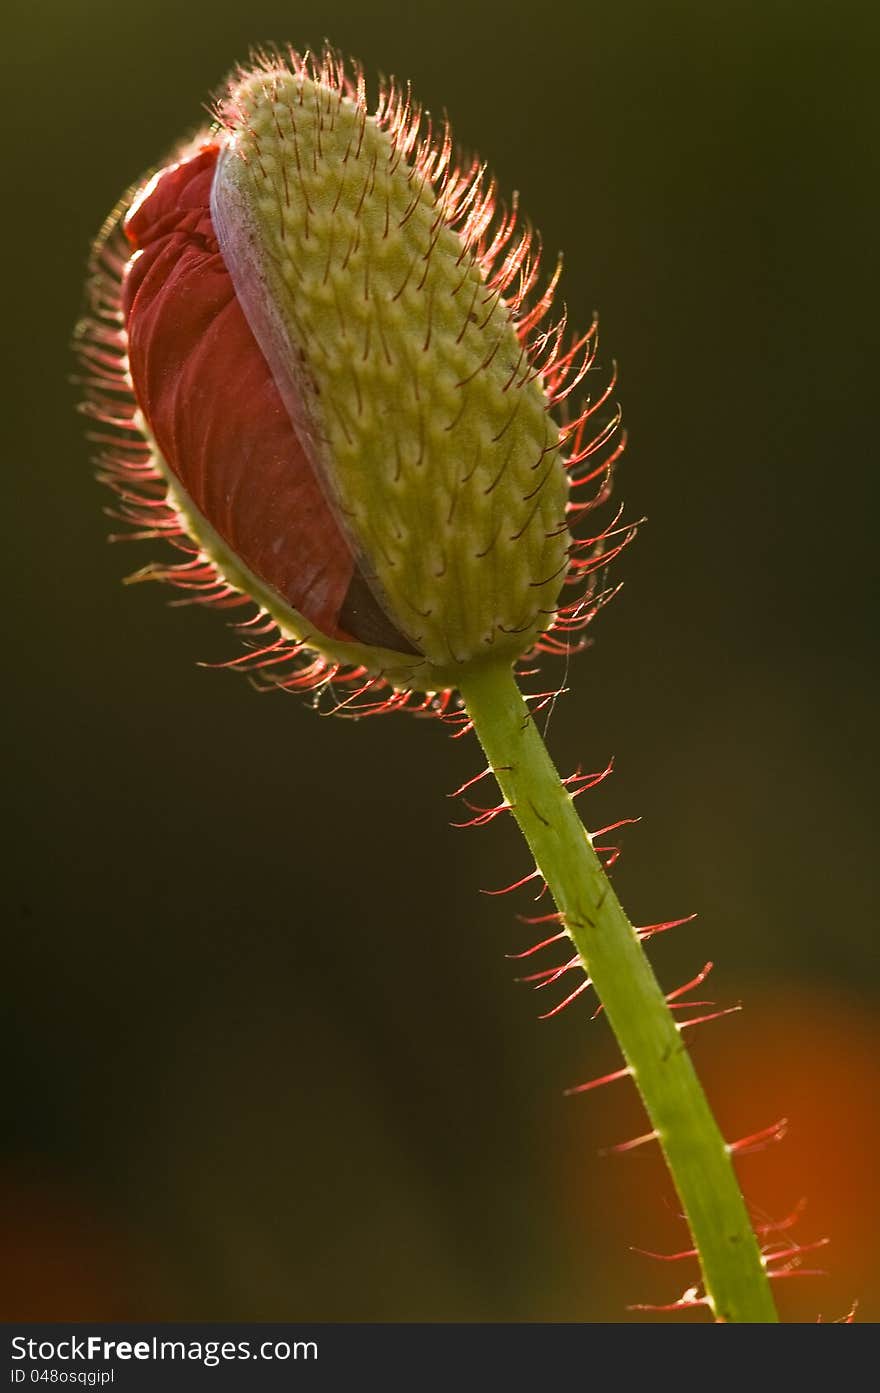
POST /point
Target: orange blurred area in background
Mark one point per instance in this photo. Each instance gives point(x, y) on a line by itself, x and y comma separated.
point(808, 1057)
point(60, 1260)
point(800, 1055)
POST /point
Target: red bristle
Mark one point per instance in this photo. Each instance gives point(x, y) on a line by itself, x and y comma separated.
point(757, 1141)
point(632, 1145)
point(536, 947)
point(507, 889)
point(547, 1015)
point(613, 1077)
point(690, 1300)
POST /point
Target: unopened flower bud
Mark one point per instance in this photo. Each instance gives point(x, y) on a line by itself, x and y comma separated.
point(335, 346)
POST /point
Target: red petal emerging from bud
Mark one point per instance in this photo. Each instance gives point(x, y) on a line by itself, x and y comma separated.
point(213, 408)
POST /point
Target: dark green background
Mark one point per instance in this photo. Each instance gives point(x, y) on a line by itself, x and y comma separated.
point(262, 1053)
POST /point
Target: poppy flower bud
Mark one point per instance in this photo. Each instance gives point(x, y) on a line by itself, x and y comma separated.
point(333, 344)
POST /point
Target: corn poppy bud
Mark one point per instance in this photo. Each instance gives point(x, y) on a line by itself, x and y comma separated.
point(343, 385)
point(322, 364)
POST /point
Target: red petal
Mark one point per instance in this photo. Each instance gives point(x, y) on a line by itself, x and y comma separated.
point(212, 405)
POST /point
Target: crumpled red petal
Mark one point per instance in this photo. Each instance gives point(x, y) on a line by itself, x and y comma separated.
point(212, 405)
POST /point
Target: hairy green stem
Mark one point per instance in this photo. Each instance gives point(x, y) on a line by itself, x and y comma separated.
point(699, 1160)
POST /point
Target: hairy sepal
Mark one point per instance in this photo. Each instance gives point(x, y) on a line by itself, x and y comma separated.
point(400, 367)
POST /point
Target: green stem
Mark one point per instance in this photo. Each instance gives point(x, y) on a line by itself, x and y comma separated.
point(698, 1158)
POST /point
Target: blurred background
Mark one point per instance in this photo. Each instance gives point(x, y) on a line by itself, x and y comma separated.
point(264, 1055)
